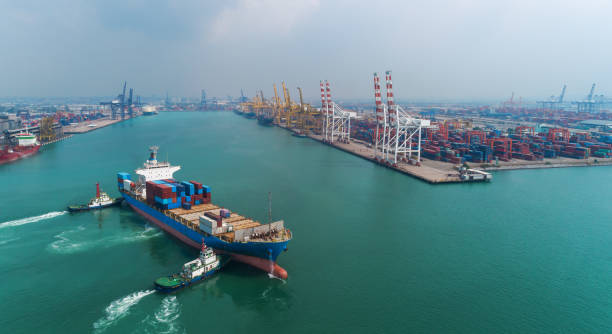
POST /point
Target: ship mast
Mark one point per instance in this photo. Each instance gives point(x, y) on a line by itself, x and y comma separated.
point(270, 212)
point(153, 150)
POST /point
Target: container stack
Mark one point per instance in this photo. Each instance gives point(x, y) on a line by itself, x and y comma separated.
point(455, 145)
point(170, 194)
point(217, 218)
point(573, 150)
point(121, 177)
point(225, 213)
point(163, 195)
point(363, 130)
point(201, 194)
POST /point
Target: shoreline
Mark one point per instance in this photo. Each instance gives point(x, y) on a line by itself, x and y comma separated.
point(605, 162)
point(430, 171)
point(84, 128)
point(441, 172)
point(57, 140)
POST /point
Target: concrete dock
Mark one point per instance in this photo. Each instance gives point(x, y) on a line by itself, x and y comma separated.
point(436, 172)
point(429, 171)
point(559, 162)
point(84, 127)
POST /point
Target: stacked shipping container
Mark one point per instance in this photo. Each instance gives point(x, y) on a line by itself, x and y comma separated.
point(459, 145)
point(170, 194)
point(121, 177)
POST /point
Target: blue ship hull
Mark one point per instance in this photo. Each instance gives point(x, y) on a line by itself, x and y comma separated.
point(263, 250)
point(265, 120)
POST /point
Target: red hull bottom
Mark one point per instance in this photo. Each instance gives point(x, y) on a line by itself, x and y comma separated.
point(263, 264)
point(6, 157)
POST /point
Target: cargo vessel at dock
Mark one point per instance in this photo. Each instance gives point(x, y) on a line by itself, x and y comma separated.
point(149, 111)
point(266, 120)
point(27, 145)
point(185, 210)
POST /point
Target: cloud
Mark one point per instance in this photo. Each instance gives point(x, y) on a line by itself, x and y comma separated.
point(261, 18)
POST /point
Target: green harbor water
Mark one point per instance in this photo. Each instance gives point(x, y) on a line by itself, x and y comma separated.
point(374, 251)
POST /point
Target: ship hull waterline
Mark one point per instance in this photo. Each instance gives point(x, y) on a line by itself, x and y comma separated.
point(166, 289)
point(79, 208)
point(267, 265)
point(14, 156)
point(202, 278)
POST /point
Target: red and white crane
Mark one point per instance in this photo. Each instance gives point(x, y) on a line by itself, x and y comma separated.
point(401, 131)
point(336, 121)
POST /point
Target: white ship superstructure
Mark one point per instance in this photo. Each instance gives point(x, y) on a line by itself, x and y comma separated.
point(203, 264)
point(100, 201)
point(154, 170)
point(26, 139)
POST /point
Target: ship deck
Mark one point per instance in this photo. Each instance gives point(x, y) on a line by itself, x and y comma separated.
point(191, 219)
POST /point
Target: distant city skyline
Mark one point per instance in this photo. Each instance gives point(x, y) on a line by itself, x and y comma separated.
point(438, 50)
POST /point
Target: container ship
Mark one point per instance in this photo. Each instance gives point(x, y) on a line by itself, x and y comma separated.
point(149, 111)
point(184, 210)
point(263, 119)
point(27, 145)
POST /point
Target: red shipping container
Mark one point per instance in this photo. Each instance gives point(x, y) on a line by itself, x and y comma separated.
point(197, 185)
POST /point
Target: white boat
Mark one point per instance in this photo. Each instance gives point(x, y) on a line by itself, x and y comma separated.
point(102, 200)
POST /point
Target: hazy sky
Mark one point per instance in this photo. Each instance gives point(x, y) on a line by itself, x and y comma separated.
point(442, 49)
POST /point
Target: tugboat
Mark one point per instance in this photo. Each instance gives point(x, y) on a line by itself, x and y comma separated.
point(102, 200)
point(193, 271)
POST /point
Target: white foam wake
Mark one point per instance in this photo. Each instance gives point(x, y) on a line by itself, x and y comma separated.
point(63, 244)
point(169, 311)
point(119, 309)
point(30, 220)
point(66, 245)
point(272, 276)
point(165, 320)
point(4, 242)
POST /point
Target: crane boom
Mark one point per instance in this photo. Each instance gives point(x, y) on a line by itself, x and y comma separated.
point(590, 97)
point(287, 97)
point(562, 94)
point(301, 99)
point(276, 99)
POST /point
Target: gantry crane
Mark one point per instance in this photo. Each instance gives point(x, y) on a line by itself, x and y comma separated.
point(300, 121)
point(306, 117)
point(278, 107)
point(288, 106)
point(396, 130)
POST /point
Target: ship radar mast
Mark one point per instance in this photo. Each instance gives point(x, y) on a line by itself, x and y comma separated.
point(153, 156)
point(154, 170)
